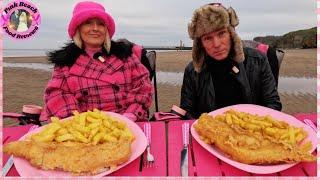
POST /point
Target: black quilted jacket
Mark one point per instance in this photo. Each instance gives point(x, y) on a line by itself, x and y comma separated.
point(255, 77)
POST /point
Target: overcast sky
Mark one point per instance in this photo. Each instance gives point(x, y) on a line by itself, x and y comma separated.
point(164, 22)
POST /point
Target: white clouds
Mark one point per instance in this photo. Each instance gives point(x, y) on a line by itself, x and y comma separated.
point(164, 22)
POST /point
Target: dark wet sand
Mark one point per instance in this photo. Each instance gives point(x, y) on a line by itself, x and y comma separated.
point(25, 86)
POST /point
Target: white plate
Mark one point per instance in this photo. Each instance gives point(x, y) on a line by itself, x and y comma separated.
point(260, 110)
point(138, 146)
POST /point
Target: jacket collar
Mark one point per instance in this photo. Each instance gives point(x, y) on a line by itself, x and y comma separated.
point(204, 77)
point(208, 59)
point(68, 55)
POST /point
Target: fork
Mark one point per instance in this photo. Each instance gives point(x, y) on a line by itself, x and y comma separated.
point(32, 128)
point(9, 162)
point(150, 158)
point(310, 124)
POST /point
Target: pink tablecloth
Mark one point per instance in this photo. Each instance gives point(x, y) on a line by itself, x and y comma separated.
point(158, 149)
point(12, 134)
point(209, 165)
point(205, 163)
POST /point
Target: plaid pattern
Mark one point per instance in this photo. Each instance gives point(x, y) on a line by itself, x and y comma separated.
point(117, 86)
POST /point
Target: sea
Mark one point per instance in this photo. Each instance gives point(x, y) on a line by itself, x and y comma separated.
point(286, 84)
point(41, 52)
point(25, 52)
point(290, 85)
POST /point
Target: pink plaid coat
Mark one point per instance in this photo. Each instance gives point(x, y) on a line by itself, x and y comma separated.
point(115, 85)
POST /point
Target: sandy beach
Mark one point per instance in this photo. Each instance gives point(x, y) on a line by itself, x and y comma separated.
point(25, 86)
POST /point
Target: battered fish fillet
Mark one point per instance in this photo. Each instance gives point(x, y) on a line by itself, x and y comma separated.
point(249, 147)
point(77, 158)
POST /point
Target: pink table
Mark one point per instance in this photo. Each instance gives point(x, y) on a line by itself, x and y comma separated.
point(12, 134)
point(158, 149)
point(208, 165)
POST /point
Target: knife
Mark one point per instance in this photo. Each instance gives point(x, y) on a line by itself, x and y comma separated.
point(7, 166)
point(192, 156)
point(184, 153)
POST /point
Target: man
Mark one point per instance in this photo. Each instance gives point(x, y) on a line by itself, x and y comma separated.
point(222, 72)
point(14, 19)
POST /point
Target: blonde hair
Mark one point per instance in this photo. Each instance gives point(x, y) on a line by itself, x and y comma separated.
point(79, 42)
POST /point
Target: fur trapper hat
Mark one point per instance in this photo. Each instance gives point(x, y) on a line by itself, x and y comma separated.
point(209, 18)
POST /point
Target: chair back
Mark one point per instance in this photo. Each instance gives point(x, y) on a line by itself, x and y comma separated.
point(151, 57)
point(280, 56)
point(275, 56)
point(148, 59)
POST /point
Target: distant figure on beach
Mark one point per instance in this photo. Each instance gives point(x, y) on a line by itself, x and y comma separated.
point(14, 19)
point(222, 72)
point(96, 72)
point(23, 22)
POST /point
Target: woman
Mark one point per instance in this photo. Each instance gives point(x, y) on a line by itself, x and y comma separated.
point(95, 72)
point(22, 22)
